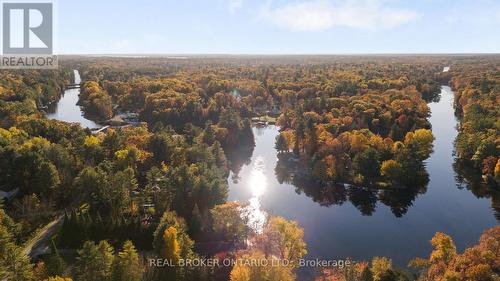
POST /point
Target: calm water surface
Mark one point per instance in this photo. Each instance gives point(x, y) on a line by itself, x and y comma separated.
point(341, 230)
point(67, 110)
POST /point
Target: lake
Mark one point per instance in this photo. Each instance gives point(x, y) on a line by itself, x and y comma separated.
point(353, 222)
point(347, 221)
point(66, 109)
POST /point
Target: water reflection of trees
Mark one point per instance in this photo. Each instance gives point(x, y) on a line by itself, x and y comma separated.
point(240, 155)
point(467, 177)
point(365, 199)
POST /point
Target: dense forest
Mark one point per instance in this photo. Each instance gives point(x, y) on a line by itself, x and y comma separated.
point(156, 187)
point(27, 93)
point(477, 86)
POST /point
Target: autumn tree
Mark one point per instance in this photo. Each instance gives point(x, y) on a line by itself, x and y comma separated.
point(391, 170)
point(231, 221)
point(40, 271)
point(497, 172)
point(283, 239)
point(95, 100)
point(419, 143)
point(58, 278)
point(380, 268)
point(170, 237)
point(172, 247)
point(475, 263)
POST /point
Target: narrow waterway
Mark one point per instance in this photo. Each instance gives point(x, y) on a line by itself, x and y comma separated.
point(360, 224)
point(66, 109)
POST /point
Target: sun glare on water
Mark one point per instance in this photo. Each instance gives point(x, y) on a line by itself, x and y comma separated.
point(258, 180)
point(257, 185)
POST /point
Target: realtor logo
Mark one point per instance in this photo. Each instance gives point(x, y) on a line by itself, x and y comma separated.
point(27, 28)
point(28, 35)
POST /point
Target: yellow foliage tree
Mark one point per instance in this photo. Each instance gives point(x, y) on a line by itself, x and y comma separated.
point(57, 278)
point(380, 265)
point(420, 142)
point(497, 172)
point(91, 141)
point(282, 238)
point(444, 248)
point(391, 170)
point(172, 246)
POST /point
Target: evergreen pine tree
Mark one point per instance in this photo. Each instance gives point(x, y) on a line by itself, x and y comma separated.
point(14, 264)
point(55, 264)
point(94, 262)
point(195, 222)
point(127, 265)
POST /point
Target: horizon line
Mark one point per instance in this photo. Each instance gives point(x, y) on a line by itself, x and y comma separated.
point(279, 54)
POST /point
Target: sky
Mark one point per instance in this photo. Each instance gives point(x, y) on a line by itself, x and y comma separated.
point(277, 26)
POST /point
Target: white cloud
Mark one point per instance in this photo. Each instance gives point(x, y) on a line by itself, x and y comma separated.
point(317, 15)
point(394, 17)
point(235, 5)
